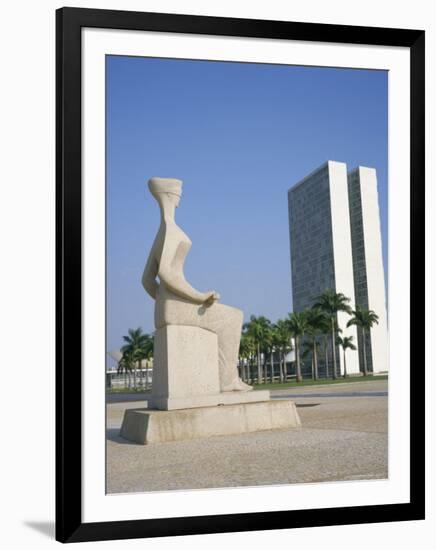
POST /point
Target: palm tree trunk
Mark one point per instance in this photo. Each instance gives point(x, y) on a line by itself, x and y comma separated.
point(334, 350)
point(271, 358)
point(141, 378)
point(265, 369)
point(315, 360)
point(365, 366)
point(297, 349)
point(345, 366)
point(312, 362)
point(326, 353)
point(259, 368)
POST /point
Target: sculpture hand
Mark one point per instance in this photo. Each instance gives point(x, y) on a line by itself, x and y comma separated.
point(212, 297)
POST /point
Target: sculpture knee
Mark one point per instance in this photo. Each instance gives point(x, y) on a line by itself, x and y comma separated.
point(239, 317)
point(234, 314)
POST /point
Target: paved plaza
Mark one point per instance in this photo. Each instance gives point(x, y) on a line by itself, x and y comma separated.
point(343, 437)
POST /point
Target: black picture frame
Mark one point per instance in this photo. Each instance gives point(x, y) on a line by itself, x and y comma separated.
point(69, 22)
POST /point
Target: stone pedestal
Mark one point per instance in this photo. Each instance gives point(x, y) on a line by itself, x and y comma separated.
point(185, 371)
point(152, 426)
point(193, 377)
point(186, 401)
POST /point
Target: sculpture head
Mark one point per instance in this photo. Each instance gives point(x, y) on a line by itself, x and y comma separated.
point(167, 191)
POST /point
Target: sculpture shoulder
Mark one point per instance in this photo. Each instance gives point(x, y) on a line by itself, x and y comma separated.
point(172, 233)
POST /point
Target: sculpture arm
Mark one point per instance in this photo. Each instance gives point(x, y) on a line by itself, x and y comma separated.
point(180, 286)
point(174, 279)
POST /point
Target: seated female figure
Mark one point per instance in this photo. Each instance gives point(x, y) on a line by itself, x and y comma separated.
point(177, 302)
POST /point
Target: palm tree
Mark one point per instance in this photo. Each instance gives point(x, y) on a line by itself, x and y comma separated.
point(325, 347)
point(125, 365)
point(316, 324)
point(148, 352)
point(136, 346)
point(258, 328)
point(331, 302)
point(247, 348)
point(297, 323)
point(282, 340)
point(364, 319)
point(268, 348)
point(310, 350)
point(252, 360)
point(241, 357)
point(346, 343)
point(272, 348)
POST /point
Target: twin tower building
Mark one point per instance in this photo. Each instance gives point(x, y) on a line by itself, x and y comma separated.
point(334, 225)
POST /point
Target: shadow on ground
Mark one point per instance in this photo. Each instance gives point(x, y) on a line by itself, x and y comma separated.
point(113, 434)
point(46, 528)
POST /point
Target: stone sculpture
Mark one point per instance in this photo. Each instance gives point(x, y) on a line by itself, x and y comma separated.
point(177, 302)
point(196, 350)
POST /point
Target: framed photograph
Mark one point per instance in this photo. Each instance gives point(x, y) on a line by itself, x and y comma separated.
point(275, 380)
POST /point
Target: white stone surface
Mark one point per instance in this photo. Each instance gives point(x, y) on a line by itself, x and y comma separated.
point(206, 400)
point(193, 378)
point(144, 426)
point(185, 366)
point(196, 390)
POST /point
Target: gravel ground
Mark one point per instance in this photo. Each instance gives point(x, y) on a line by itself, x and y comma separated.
point(342, 438)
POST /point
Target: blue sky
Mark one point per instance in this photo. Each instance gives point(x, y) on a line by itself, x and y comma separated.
point(238, 135)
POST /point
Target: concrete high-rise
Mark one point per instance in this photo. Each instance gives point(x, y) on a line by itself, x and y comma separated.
point(332, 216)
point(321, 255)
point(369, 280)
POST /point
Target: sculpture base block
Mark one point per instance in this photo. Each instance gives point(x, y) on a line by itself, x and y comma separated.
point(146, 426)
point(195, 401)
